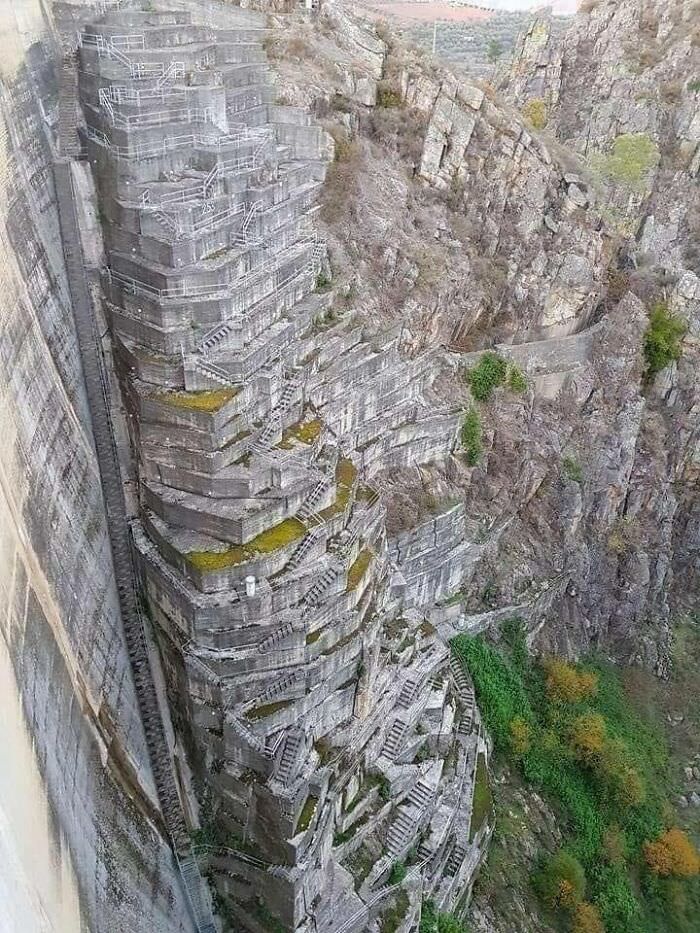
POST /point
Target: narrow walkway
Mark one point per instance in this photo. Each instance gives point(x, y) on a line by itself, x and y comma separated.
point(96, 384)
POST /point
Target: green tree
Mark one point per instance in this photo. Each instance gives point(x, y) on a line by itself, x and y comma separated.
point(494, 51)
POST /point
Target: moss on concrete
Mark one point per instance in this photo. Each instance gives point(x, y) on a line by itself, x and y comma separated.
point(345, 476)
point(268, 709)
point(305, 432)
point(279, 536)
point(483, 801)
point(306, 815)
point(358, 569)
point(208, 400)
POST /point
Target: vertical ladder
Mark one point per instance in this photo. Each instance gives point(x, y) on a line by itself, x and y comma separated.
point(97, 388)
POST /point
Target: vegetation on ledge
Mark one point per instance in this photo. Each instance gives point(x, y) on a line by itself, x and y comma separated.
point(209, 400)
point(573, 734)
point(662, 340)
point(470, 435)
point(279, 536)
point(345, 476)
point(268, 709)
point(306, 815)
point(483, 801)
point(358, 569)
point(305, 432)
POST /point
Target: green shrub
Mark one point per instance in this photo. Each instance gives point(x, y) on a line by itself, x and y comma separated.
point(694, 86)
point(632, 157)
point(448, 923)
point(388, 97)
point(471, 437)
point(535, 112)
point(571, 469)
point(662, 340)
point(428, 917)
point(587, 792)
point(398, 873)
point(515, 381)
point(323, 282)
point(561, 882)
point(489, 374)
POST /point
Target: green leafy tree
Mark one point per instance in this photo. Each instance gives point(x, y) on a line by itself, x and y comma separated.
point(494, 51)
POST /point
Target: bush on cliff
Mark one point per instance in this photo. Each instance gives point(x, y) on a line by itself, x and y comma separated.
point(662, 340)
point(573, 734)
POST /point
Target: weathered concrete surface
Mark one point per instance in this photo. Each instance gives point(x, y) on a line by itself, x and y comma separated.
point(79, 834)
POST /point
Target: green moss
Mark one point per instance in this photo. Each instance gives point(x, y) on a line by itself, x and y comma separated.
point(358, 569)
point(306, 815)
point(470, 436)
point(279, 536)
point(694, 86)
point(306, 432)
point(209, 400)
point(483, 801)
point(345, 476)
point(632, 157)
point(662, 340)
point(268, 709)
point(535, 112)
point(313, 637)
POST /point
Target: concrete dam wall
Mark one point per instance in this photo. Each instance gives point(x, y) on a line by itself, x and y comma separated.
point(81, 843)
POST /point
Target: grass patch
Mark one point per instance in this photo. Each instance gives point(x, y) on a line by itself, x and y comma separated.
point(388, 96)
point(483, 801)
point(515, 380)
point(393, 916)
point(209, 400)
point(573, 734)
point(268, 709)
point(470, 435)
point(279, 536)
point(662, 340)
point(306, 432)
point(306, 815)
point(358, 569)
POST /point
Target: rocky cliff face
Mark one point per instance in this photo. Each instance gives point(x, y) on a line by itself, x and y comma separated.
point(450, 212)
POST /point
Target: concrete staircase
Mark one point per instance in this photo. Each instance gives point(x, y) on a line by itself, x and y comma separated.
point(392, 744)
point(465, 691)
point(267, 644)
point(400, 834)
point(289, 756)
point(409, 691)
